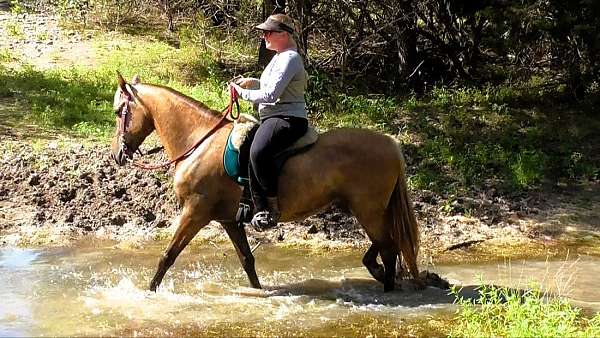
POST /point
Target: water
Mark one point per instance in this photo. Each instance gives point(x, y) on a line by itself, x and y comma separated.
point(100, 289)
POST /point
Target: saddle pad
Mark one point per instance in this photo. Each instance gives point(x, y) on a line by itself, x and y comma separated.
point(230, 159)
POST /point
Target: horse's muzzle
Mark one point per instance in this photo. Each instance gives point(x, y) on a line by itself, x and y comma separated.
point(122, 156)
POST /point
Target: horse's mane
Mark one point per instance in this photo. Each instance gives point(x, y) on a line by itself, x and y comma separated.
point(188, 100)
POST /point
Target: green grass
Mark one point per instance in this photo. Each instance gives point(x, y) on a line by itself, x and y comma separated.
point(504, 312)
point(78, 99)
point(42, 36)
point(5, 56)
point(463, 137)
point(471, 136)
point(15, 30)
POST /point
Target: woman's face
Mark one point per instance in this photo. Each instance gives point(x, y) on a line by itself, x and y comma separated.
point(277, 41)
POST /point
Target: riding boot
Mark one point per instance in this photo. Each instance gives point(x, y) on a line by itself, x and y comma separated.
point(256, 191)
point(269, 217)
point(273, 207)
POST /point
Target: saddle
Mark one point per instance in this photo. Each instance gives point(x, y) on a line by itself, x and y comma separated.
point(236, 155)
point(236, 158)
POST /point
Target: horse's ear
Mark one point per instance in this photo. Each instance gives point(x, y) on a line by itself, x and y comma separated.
point(122, 82)
point(136, 79)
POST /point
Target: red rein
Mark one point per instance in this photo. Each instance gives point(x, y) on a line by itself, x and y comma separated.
point(233, 100)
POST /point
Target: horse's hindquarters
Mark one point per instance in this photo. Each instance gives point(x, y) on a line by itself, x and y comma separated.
point(358, 168)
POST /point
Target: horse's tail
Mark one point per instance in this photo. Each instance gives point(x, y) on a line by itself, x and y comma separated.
point(405, 230)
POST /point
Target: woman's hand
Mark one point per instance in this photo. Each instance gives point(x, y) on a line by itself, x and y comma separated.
point(244, 83)
point(247, 83)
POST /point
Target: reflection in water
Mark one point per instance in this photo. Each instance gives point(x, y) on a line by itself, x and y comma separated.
point(101, 290)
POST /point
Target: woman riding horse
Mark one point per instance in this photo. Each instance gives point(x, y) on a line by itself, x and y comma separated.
point(282, 110)
point(360, 170)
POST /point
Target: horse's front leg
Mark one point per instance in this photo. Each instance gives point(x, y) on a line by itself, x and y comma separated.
point(188, 224)
point(240, 242)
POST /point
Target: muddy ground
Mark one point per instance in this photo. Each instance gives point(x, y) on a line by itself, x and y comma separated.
point(54, 189)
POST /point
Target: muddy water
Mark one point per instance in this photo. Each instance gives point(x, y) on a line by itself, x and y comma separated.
point(100, 289)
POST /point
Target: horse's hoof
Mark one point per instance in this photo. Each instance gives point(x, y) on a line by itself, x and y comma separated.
point(378, 273)
point(432, 279)
point(419, 284)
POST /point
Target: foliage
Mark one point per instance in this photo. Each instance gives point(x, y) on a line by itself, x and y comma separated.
point(488, 138)
point(16, 7)
point(393, 45)
point(79, 99)
point(505, 312)
point(511, 134)
point(5, 55)
point(468, 136)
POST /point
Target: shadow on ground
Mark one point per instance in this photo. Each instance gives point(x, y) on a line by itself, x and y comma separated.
point(14, 125)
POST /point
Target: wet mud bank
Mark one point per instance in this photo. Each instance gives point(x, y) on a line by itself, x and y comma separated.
point(53, 192)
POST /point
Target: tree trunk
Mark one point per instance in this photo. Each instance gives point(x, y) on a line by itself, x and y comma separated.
point(575, 81)
point(406, 45)
point(304, 8)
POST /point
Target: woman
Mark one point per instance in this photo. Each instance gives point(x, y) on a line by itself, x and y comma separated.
point(279, 95)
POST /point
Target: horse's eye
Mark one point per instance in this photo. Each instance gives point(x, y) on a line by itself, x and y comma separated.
point(119, 109)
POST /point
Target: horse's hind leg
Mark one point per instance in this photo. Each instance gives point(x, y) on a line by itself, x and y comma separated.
point(388, 256)
point(370, 261)
point(188, 227)
point(240, 242)
point(373, 221)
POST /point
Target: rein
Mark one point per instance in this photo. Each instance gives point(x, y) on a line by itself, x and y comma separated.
point(227, 112)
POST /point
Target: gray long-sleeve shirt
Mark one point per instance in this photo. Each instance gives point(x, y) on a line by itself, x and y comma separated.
point(282, 87)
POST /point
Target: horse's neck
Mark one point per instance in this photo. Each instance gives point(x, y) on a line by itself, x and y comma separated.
point(178, 122)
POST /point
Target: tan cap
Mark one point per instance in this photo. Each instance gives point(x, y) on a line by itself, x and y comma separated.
point(277, 23)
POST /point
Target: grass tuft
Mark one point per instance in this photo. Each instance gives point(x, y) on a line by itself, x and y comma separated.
point(500, 311)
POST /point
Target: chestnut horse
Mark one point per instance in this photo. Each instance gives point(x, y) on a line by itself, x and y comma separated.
point(361, 170)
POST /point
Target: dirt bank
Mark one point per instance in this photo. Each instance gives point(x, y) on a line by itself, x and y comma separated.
point(54, 191)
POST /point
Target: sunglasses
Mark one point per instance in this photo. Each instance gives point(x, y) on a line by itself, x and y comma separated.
point(268, 33)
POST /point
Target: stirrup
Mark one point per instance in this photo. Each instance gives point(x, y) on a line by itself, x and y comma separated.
point(263, 220)
point(244, 213)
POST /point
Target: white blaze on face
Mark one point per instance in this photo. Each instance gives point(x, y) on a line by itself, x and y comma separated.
point(117, 99)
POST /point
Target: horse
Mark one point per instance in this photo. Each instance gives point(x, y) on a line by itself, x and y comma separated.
point(360, 170)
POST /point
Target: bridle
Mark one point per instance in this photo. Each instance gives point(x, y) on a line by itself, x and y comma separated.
point(124, 118)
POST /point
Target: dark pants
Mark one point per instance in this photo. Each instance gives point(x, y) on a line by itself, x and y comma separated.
point(273, 135)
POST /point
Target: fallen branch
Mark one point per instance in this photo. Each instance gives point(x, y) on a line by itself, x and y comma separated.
point(463, 244)
point(255, 247)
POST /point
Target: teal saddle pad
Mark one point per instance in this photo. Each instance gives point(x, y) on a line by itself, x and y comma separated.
point(231, 163)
